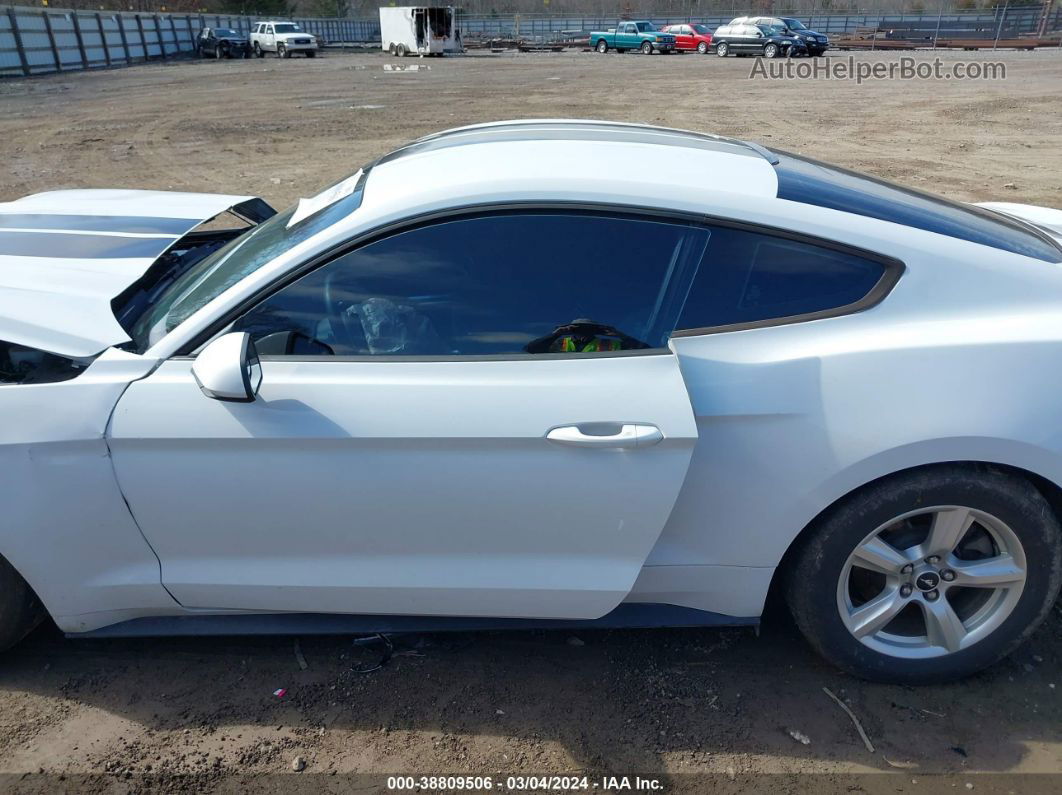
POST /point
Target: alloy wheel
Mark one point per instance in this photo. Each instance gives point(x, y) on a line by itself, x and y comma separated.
point(931, 582)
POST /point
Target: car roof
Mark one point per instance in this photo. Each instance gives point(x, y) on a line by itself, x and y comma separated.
point(555, 155)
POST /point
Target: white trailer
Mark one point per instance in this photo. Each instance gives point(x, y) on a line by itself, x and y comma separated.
point(423, 30)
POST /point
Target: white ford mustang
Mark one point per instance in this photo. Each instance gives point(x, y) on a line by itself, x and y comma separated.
point(504, 376)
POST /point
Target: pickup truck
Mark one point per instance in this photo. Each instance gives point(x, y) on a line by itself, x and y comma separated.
point(633, 36)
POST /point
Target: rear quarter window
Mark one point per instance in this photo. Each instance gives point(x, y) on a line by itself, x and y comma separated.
point(756, 278)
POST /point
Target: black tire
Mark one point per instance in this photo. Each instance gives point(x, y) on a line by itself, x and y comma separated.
point(20, 610)
point(602, 46)
point(647, 48)
point(391, 48)
point(258, 53)
point(814, 567)
point(219, 53)
point(283, 51)
point(722, 49)
point(311, 53)
point(400, 50)
point(770, 51)
point(702, 48)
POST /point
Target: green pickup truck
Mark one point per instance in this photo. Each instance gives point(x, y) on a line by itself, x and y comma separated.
point(633, 36)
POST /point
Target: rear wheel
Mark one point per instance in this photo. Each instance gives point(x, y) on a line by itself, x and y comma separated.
point(391, 48)
point(20, 610)
point(647, 48)
point(219, 53)
point(602, 46)
point(722, 49)
point(400, 50)
point(702, 48)
point(929, 575)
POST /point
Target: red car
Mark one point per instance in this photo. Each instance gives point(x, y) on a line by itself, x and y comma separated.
point(690, 36)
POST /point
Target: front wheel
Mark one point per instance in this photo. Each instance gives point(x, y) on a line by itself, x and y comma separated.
point(311, 53)
point(770, 51)
point(258, 50)
point(20, 610)
point(647, 48)
point(602, 46)
point(282, 51)
point(929, 575)
point(722, 49)
point(702, 48)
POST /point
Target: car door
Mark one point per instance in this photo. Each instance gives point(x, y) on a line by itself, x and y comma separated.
point(684, 39)
point(269, 39)
point(440, 430)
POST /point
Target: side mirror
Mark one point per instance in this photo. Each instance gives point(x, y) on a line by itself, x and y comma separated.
point(229, 369)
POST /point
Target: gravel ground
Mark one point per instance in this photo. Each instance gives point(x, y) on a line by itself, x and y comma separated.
point(697, 710)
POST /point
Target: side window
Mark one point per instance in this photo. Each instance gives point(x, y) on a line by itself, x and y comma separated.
point(748, 277)
point(528, 282)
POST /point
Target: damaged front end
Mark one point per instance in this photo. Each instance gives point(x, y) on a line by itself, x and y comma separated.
point(72, 261)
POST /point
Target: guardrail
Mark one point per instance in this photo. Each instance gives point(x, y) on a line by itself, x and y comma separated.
point(40, 41)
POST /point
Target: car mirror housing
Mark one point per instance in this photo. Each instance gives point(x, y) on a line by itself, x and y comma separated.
point(228, 368)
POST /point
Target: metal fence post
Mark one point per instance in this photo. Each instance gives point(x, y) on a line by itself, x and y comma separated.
point(17, 35)
point(143, 38)
point(158, 36)
point(173, 30)
point(999, 28)
point(51, 40)
point(125, 41)
point(103, 38)
point(936, 35)
point(80, 40)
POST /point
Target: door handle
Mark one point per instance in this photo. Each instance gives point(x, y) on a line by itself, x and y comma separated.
point(629, 435)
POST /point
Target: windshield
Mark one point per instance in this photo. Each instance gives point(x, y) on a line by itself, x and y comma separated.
point(286, 28)
point(209, 278)
point(701, 29)
point(225, 32)
point(645, 27)
point(794, 24)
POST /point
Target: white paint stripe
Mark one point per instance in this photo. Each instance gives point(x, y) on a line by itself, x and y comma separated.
point(88, 232)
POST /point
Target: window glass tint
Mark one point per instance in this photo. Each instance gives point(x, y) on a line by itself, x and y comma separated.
point(749, 276)
point(811, 182)
point(514, 283)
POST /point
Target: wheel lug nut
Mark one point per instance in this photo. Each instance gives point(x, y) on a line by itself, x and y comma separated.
point(947, 575)
point(932, 596)
point(933, 559)
point(905, 590)
point(907, 569)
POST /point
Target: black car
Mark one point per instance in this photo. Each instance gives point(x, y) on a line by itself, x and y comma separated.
point(817, 43)
point(745, 38)
point(222, 43)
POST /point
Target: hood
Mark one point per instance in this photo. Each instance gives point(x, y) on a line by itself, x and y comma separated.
point(64, 255)
point(300, 35)
point(1046, 219)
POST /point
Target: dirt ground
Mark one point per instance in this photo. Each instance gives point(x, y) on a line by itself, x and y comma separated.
point(697, 710)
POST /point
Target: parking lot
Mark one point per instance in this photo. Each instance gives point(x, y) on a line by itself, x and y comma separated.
point(722, 710)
